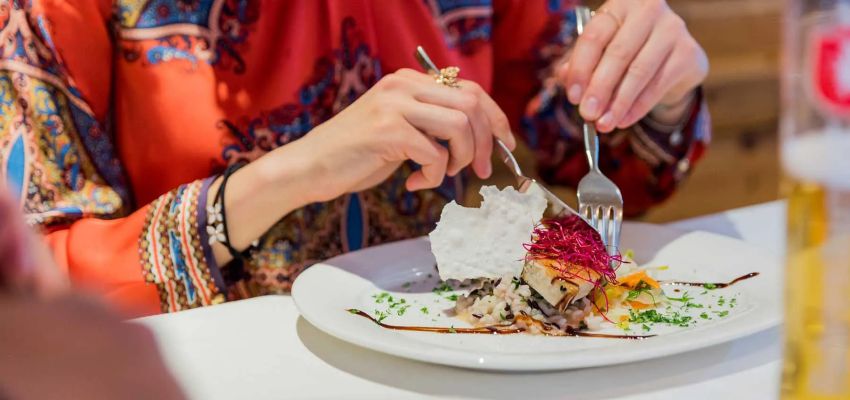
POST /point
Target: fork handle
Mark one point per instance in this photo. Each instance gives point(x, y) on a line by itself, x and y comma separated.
point(591, 146)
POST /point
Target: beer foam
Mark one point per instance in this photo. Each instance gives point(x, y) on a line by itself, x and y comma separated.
point(821, 157)
point(487, 242)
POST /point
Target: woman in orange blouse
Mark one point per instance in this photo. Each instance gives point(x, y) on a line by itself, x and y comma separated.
point(119, 118)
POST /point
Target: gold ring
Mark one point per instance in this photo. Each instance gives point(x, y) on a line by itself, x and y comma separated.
point(448, 77)
point(606, 11)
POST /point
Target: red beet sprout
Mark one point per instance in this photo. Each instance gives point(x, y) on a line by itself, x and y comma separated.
point(574, 249)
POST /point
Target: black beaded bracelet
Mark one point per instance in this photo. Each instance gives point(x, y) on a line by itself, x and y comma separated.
point(217, 226)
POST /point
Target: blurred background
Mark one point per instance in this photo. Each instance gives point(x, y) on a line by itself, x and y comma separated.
point(742, 39)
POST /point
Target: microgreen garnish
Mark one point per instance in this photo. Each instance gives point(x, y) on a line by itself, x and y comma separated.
point(572, 242)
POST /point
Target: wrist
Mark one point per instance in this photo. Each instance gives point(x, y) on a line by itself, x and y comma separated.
point(672, 113)
point(276, 183)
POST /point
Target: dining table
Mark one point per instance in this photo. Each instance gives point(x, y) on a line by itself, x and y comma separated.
point(261, 348)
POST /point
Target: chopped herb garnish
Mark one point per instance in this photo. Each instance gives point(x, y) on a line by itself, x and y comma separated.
point(452, 297)
point(633, 294)
point(704, 315)
point(353, 311)
point(502, 316)
point(452, 329)
point(424, 310)
point(380, 315)
point(442, 288)
point(684, 299)
point(694, 305)
point(645, 327)
point(516, 282)
point(380, 298)
point(704, 292)
point(403, 310)
point(722, 314)
point(653, 316)
point(721, 301)
point(710, 286)
point(641, 288)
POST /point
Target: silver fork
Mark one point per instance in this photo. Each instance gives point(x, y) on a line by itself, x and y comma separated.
point(523, 182)
point(599, 199)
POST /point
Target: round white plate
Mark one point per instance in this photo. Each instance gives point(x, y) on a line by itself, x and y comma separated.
point(405, 270)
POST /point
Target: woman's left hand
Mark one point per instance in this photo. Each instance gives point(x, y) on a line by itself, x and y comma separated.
point(634, 56)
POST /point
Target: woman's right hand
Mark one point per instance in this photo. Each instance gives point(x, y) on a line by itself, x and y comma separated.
point(402, 118)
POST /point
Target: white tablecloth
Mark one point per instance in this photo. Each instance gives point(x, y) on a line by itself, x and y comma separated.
point(261, 349)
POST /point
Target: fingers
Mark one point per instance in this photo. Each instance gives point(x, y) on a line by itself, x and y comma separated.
point(655, 90)
point(586, 54)
point(638, 75)
point(483, 115)
point(617, 59)
point(430, 155)
point(498, 120)
point(446, 124)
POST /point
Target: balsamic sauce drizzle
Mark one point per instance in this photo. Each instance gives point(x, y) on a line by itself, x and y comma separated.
point(714, 285)
point(491, 330)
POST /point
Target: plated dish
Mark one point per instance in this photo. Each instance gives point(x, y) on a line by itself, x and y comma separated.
point(559, 302)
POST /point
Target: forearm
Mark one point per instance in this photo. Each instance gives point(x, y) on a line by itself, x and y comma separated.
point(263, 192)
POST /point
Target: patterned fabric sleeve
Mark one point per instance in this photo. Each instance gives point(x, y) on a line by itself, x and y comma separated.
point(647, 160)
point(58, 159)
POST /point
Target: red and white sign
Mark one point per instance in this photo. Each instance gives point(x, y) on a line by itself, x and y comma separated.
point(831, 69)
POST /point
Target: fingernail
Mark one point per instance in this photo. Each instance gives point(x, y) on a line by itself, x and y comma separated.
point(606, 121)
point(488, 170)
point(590, 108)
point(574, 93)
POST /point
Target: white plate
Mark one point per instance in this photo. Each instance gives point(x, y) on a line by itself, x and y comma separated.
point(325, 291)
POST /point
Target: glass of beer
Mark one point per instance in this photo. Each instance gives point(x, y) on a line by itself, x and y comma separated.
point(815, 145)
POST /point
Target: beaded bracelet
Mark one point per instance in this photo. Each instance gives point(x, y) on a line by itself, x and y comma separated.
point(217, 219)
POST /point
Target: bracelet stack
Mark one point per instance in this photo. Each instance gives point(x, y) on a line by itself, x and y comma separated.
point(217, 219)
